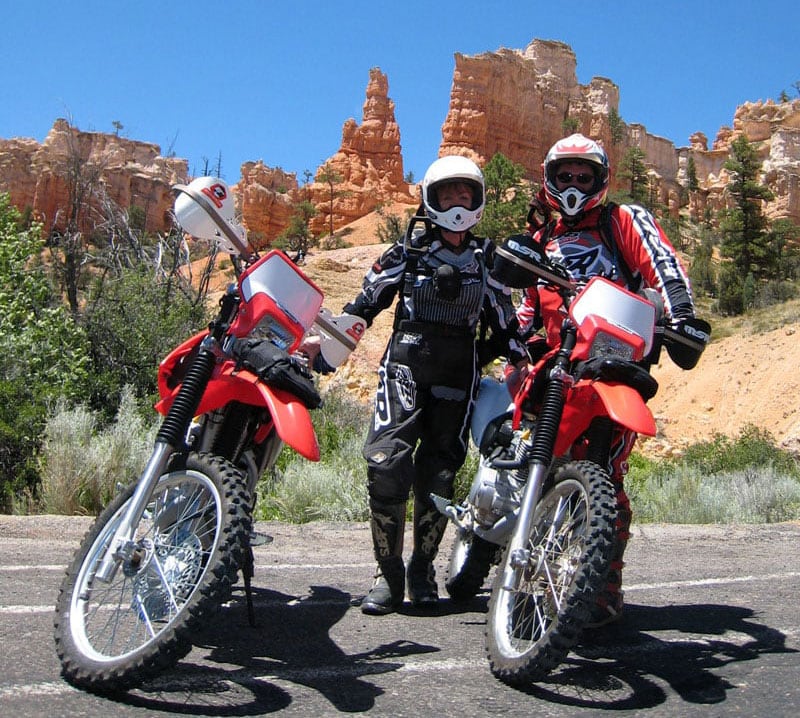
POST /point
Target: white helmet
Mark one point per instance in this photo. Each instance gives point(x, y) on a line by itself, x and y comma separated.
point(204, 208)
point(571, 202)
point(453, 169)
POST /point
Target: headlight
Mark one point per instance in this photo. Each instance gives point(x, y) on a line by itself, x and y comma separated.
point(268, 328)
point(606, 345)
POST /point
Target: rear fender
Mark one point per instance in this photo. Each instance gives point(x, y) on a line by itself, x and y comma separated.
point(589, 399)
point(291, 417)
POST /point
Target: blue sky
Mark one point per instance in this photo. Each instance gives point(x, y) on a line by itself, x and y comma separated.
point(276, 80)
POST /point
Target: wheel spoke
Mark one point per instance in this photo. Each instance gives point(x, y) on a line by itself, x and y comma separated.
point(174, 543)
point(531, 629)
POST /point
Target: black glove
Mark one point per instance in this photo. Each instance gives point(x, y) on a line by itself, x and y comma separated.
point(276, 368)
point(686, 341)
point(320, 366)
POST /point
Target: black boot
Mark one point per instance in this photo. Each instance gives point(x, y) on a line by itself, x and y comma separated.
point(610, 602)
point(387, 593)
point(429, 527)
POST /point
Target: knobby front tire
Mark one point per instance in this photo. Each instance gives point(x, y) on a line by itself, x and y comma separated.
point(113, 636)
point(532, 625)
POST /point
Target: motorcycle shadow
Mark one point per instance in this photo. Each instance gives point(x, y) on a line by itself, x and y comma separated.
point(290, 642)
point(621, 665)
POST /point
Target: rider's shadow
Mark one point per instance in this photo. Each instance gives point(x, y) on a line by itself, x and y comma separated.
point(617, 666)
point(291, 641)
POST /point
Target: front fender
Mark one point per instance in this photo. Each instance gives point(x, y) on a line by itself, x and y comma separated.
point(291, 417)
point(588, 399)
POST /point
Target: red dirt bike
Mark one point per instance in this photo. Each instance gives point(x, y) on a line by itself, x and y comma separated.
point(165, 553)
point(542, 504)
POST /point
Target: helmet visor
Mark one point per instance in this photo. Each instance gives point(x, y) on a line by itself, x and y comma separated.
point(455, 192)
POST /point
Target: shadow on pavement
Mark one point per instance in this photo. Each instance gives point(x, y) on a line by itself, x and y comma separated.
point(624, 666)
point(291, 642)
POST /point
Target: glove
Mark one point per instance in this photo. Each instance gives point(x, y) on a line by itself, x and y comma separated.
point(688, 340)
point(320, 366)
point(310, 349)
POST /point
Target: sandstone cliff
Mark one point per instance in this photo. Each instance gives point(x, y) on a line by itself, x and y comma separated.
point(127, 172)
point(517, 102)
point(367, 171)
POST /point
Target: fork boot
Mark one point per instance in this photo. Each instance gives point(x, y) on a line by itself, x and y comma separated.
point(387, 522)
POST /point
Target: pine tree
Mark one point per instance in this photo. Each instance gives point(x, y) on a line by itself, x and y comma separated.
point(745, 240)
point(506, 201)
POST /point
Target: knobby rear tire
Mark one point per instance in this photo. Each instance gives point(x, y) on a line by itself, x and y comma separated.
point(532, 626)
point(471, 560)
point(111, 637)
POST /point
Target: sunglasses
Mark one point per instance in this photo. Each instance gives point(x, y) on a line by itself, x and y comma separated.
point(582, 178)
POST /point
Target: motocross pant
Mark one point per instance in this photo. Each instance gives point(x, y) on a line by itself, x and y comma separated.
point(618, 468)
point(417, 440)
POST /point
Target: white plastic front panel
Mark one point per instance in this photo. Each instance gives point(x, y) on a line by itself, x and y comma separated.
point(276, 277)
point(617, 306)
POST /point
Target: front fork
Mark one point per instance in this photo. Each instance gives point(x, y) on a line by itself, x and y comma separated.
point(539, 460)
point(171, 434)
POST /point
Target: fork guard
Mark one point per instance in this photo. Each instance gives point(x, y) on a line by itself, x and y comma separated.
point(589, 399)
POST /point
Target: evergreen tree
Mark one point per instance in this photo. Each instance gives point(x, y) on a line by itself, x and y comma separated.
point(701, 270)
point(297, 237)
point(506, 199)
point(633, 170)
point(745, 240)
point(616, 125)
point(332, 178)
point(691, 175)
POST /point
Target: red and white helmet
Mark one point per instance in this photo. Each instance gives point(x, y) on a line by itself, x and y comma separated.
point(205, 208)
point(572, 202)
point(453, 169)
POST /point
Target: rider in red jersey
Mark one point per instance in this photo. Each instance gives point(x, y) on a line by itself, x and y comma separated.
point(623, 243)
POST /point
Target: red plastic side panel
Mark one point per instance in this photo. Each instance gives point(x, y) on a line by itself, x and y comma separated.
point(291, 417)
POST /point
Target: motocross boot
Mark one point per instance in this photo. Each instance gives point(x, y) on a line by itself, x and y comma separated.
point(387, 522)
point(609, 604)
point(429, 527)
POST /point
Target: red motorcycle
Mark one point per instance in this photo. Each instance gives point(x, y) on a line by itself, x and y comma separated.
point(165, 553)
point(542, 504)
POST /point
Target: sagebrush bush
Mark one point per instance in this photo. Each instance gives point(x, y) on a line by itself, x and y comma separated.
point(81, 464)
point(690, 496)
point(335, 489)
point(745, 479)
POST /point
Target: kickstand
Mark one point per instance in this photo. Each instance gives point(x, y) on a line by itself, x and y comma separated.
point(248, 569)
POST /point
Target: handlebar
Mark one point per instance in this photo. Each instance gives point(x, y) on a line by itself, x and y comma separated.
point(540, 267)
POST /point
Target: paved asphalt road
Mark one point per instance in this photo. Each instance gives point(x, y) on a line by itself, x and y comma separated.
point(710, 629)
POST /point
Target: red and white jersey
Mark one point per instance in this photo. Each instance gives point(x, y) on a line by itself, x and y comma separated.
point(638, 242)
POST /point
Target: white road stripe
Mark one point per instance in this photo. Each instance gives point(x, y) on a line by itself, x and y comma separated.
point(408, 664)
point(259, 566)
point(709, 581)
point(311, 603)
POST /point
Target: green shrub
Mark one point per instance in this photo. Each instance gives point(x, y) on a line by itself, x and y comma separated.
point(82, 463)
point(45, 355)
point(132, 322)
point(753, 448)
point(689, 495)
point(335, 489)
point(744, 479)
